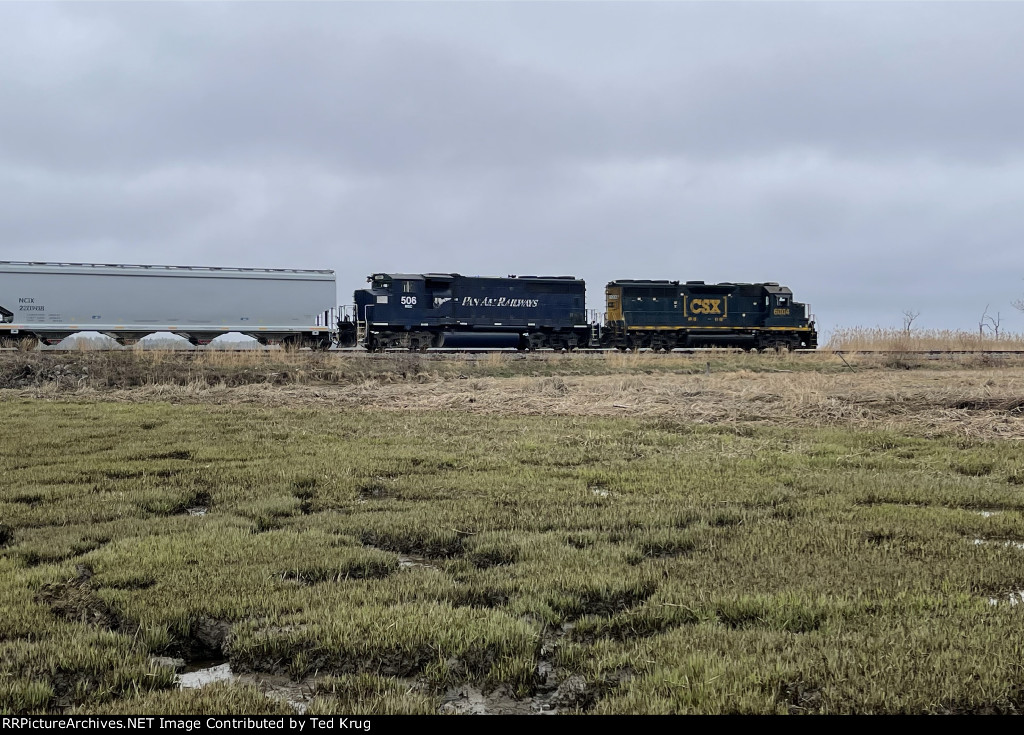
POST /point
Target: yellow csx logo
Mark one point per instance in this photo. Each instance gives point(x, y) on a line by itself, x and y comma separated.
point(706, 306)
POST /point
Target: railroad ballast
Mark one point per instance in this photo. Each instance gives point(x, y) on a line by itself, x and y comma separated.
point(48, 302)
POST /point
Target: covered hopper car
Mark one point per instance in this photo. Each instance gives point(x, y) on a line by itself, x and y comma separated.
point(48, 302)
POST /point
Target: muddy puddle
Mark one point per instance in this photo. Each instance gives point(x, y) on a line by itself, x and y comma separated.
point(550, 698)
point(989, 512)
point(464, 699)
point(468, 700)
point(408, 561)
point(551, 694)
point(199, 674)
point(1014, 598)
point(1014, 544)
point(202, 673)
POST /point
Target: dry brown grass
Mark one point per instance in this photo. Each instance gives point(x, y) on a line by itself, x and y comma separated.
point(143, 368)
point(977, 401)
point(862, 339)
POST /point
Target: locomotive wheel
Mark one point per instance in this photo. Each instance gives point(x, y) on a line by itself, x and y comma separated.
point(775, 345)
point(559, 344)
point(536, 341)
point(420, 341)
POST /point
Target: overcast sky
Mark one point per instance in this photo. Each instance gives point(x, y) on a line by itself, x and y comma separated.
point(869, 155)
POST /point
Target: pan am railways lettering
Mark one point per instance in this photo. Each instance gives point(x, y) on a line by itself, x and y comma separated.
point(503, 301)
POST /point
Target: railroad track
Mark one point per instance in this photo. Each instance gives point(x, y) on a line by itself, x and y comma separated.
point(441, 353)
point(918, 352)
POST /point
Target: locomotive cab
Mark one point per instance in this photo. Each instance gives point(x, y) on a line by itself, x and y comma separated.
point(400, 298)
point(779, 306)
point(403, 310)
point(781, 310)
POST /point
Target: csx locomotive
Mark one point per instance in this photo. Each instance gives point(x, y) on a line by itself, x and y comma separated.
point(420, 311)
point(663, 315)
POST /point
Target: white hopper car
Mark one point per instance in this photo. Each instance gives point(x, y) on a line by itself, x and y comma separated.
point(48, 302)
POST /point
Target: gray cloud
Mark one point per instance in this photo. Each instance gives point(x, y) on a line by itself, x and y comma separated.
point(869, 155)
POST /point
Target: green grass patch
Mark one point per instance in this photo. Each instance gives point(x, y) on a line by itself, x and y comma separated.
point(384, 557)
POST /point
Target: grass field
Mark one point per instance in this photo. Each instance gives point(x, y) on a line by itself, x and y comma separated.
point(891, 339)
point(640, 534)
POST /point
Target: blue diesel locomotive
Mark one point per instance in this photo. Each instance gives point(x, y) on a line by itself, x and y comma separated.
point(423, 310)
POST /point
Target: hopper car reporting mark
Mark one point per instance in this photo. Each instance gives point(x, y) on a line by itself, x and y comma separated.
point(416, 311)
